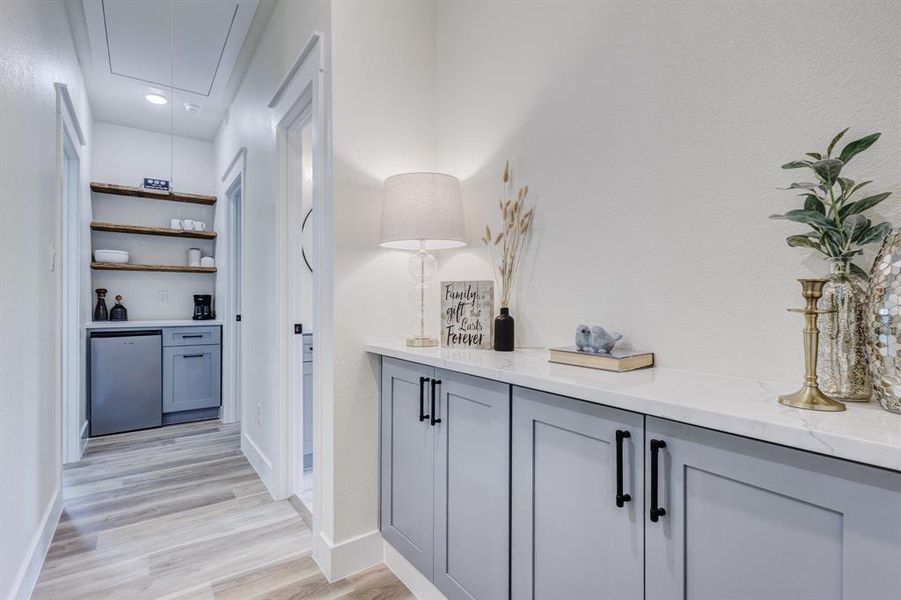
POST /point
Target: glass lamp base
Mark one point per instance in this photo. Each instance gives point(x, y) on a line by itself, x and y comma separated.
point(422, 342)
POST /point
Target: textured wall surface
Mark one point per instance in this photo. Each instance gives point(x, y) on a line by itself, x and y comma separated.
point(249, 124)
point(650, 135)
point(37, 52)
point(124, 156)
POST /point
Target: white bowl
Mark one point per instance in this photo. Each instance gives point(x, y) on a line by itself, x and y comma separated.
point(111, 256)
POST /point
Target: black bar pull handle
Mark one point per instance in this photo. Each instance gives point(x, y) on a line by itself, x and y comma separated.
point(657, 511)
point(422, 415)
point(433, 419)
point(621, 498)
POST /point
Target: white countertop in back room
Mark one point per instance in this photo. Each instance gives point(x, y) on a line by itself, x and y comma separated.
point(151, 324)
point(864, 433)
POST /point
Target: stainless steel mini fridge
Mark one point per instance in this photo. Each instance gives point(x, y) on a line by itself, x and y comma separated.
point(126, 381)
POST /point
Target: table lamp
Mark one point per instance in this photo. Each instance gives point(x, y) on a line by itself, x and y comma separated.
point(422, 212)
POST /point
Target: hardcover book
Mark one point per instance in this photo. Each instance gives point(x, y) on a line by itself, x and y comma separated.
point(615, 360)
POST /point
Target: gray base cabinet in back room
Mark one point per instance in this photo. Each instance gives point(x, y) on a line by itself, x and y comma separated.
point(191, 369)
point(445, 477)
point(576, 533)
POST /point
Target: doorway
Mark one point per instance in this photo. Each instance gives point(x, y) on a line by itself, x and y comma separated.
point(302, 265)
point(73, 399)
point(235, 199)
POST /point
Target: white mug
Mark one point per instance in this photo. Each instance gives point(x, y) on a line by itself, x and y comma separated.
point(207, 261)
point(176, 224)
point(194, 257)
point(199, 226)
point(189, 224)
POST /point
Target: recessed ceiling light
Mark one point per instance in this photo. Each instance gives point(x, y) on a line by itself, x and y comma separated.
point(192, 108)
point(155, 99)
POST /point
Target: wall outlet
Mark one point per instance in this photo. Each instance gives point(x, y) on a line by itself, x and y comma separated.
point(162, 296)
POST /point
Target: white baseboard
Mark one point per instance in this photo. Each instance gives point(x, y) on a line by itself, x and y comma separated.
point(337, 561)
point(28, 574)
point(83, 441)
point(258, 461)
point(415, 581)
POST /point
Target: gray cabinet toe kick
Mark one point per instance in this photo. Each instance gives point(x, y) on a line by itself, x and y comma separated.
point(494, 491)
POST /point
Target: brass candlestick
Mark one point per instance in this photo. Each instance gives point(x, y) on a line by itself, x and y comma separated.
point(809, 396)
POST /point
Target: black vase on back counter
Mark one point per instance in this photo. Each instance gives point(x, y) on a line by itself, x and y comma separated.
point(503, 331)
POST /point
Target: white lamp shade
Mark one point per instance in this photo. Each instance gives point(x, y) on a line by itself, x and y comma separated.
point(422, 209)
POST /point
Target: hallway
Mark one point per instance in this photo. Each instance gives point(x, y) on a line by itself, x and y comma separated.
point(178, 512)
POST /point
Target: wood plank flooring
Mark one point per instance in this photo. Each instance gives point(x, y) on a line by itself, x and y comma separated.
point(178, 513)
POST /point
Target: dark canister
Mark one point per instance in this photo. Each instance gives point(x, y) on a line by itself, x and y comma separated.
point(503, 331)
point(118, 312)
point(100, 312)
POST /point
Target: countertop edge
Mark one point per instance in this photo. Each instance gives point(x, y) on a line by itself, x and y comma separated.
point(785, 426)
point(152, 324)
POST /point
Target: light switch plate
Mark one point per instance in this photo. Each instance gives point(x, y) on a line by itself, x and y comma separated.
point(162, 296)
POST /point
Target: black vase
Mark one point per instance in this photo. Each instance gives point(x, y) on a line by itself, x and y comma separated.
point(100, 312)
point(503, 331)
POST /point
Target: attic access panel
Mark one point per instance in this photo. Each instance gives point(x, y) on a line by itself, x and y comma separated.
point(143, 38)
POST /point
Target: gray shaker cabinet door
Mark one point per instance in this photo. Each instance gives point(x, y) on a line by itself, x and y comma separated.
point(408, 465)
point(569, 538)
point(191, 377)
point(472, 470)
point(754, 521)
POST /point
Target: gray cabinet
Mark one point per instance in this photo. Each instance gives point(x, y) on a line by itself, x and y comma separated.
point(408, 463)
point(751, 520)
point(572, 536)
point(472, 495)
point(444, 477)
point(191, 377)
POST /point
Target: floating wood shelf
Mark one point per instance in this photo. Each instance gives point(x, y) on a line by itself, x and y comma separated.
point(105, 266)
point(141, 230)
point(124, 190)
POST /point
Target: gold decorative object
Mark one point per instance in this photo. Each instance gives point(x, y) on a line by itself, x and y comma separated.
point(809, 396)
point(842, 366)
point(884, 323)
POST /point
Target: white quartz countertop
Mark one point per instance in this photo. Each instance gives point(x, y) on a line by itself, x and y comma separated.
point(864, 433)
point(153, 324)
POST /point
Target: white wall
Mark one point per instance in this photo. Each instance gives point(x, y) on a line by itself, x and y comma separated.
point(381, 58)
point(650, 135)
point(249, 124)
point(37, 51)
point(384, 122)
point(124, 156)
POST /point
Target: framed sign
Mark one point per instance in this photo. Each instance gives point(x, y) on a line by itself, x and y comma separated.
point(156, 184)
point(467, 313)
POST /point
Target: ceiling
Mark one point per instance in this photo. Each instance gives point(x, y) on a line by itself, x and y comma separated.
point(189, 51)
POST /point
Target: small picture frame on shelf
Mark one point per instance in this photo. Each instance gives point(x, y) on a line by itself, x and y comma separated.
point(156, 184)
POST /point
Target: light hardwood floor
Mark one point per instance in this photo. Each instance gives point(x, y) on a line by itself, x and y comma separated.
point(178, 513)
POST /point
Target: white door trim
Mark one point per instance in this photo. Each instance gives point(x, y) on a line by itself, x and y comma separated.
point(70, 140)
point(233, 386)
point(301, 89)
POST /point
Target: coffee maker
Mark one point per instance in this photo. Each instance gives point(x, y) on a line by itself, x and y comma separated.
point(203, 307)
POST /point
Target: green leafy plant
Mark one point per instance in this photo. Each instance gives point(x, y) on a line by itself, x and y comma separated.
point(838, 225)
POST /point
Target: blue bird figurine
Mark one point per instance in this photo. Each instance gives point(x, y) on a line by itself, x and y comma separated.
point(582, 335)
point(601, 342)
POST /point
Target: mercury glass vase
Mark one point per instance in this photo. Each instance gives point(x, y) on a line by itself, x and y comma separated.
point(842, 366)
point(884, 323)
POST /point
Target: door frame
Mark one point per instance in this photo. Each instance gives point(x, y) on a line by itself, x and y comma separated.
point(72, 357)
point(233, 384)
point(302, 89)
